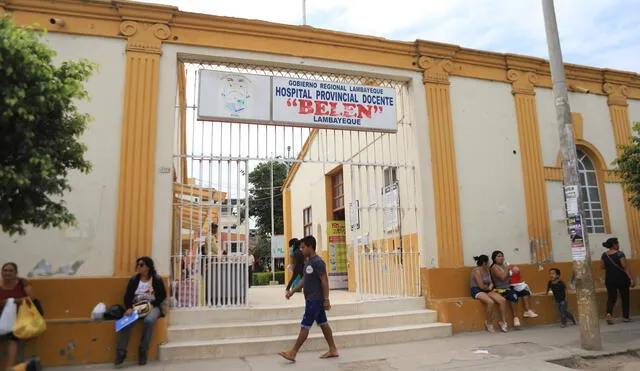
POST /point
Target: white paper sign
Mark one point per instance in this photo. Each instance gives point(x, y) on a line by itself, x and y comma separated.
point(571, 196)
point(335, 105)
point(230, 96)
point(390, 198)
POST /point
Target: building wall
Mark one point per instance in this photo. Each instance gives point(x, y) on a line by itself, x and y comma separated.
point(94, 198)
point(634, 110)
point(597, 124)
point(492, 204)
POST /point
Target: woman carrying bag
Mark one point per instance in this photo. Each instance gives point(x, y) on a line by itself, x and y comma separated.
point(145, 294)
point(617, 278)
point(18, 289)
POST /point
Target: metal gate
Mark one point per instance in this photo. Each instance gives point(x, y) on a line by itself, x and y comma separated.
point(213, 228)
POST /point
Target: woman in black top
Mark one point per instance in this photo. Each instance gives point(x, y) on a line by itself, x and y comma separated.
point(618, 278)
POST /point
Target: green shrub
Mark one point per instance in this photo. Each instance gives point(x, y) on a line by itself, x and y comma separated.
point(263, 278)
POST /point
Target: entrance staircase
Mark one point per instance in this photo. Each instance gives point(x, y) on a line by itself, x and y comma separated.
point(222, 333)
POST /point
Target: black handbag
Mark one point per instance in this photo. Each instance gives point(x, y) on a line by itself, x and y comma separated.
point(114, 313)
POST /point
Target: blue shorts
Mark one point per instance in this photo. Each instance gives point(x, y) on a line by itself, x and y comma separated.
point(475, 291)
point(314, 312)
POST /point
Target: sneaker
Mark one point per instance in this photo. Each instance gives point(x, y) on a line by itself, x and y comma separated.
point(609, 319)
point(120, 359)
point(530, 314)
point(504, 327)
point(627, 320)
point(563, 325)
point(142, 358)
point(489, 327)
point(516, 322)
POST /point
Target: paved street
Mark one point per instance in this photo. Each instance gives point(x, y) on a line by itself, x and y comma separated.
point(527, 349)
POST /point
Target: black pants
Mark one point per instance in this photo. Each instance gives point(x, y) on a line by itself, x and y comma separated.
point(250, 276)
point(612, 296)
point(293, 278)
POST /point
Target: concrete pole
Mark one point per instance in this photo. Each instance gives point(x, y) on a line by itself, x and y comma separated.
point(585, 289)
point(304, 12)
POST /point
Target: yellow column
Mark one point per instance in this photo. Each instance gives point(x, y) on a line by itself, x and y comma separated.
point(138, 145)
point(443, 161)
point(619, 113)
point(535, 192)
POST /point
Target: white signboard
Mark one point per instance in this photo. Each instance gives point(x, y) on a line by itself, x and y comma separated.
point(571, 196)
point(335, 105)
point(277, 247)
point(229, 96)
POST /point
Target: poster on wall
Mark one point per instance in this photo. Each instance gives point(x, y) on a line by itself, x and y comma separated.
point(571, 197)
point(354, 215)
point(337, 267)
point(230, 96)
point(332, 104)
point(391, 201)
point(576, 236)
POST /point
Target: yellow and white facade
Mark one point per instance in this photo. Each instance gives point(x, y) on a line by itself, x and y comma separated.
point(484, 151)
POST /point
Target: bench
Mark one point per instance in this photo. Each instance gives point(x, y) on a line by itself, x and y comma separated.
point(446, 290)
point(72, 337)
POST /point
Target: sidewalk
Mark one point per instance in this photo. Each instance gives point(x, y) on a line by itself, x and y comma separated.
point(526, 349)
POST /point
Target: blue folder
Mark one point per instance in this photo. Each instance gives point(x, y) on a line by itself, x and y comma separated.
point(126, 321)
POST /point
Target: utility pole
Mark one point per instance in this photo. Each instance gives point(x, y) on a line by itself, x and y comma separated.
point(304, 12)
point(580, 253)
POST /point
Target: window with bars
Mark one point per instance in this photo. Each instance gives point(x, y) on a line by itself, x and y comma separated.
point(307, 222)
point(338, 191)
point(390, 176)
point(593, 210)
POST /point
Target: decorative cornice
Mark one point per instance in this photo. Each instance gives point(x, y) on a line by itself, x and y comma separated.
point(522, 82)
point(435, 71)
point(617, 94)
point(144, 37)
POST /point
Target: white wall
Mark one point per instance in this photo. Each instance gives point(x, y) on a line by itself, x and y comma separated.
point(492, 203)
point(634, 110)
point(94, 198)
point(596, 122)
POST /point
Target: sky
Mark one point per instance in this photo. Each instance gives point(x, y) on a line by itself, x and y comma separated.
point(598, 33)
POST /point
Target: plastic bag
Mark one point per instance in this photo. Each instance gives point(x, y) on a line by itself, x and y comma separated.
point(98, 311)
point(29, 322)
point(8, 317)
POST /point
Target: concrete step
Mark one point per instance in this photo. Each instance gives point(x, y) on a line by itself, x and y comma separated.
point(292, 327)
point(272, 345)
point(188, 317)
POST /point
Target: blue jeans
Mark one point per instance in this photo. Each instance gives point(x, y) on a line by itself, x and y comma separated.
point(148, 322)
point(564, 312)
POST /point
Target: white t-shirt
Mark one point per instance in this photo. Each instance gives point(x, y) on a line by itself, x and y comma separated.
point(251, 260)
point(144, 292)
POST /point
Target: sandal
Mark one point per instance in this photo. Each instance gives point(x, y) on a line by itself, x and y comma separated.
point(609, 319)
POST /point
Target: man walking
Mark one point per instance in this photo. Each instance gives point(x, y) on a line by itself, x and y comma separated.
point(316, 293)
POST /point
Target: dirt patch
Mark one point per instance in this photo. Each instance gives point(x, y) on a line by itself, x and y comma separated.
point(374, 365)
point(619, 362)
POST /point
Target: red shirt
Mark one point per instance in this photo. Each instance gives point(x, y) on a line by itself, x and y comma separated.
point(17, 292)
point(515, 278)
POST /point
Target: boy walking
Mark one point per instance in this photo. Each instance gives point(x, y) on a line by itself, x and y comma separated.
point(559, 290)
point(316, 293)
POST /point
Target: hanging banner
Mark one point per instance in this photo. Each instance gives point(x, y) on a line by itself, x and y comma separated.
point(337, 267)
point(229, 96)
point(333, 105)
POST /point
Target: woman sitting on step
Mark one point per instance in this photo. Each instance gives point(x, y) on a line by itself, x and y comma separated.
point(482, 289)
